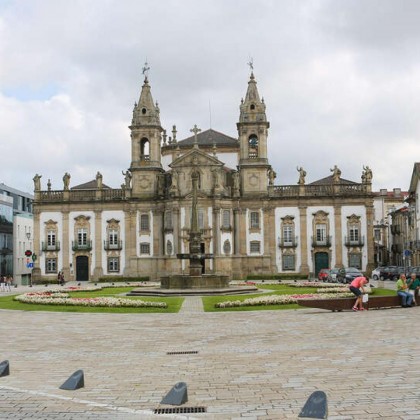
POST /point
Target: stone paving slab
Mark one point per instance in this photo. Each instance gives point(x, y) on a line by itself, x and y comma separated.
point(257, 365)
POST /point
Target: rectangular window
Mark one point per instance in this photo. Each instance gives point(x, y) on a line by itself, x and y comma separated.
point(113, 265)
point(51, 238)
point(288, 262)
point(321, 234)
point(288, 234)
point(145, 248)
point(226, 219)
point(255, 219)
point(113, 237)
point(255, 247)
point(355, 261)
point(354, 234)
point(144, 222)
point(82, 236)
point(51, 265)
point(377, 234)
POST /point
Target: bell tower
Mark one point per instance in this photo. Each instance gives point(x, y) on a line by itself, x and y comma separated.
point(146, 132)
point(253, 131)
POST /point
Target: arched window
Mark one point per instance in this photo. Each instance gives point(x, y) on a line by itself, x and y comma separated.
point(144, 149)
point(253, 146)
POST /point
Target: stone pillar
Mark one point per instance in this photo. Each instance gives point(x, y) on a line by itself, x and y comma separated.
point(304, 267)
point(216, 231)
point(36, 238)
point(157, 233)
point(176, 214)
point(130, 240)
point(65, 247)
point(369, 240)
point(236, 230)
point(270, 237)
point(338, 237)
point(98, 270)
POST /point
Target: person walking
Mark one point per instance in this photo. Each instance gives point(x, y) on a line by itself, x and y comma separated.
point(402, 291)
point(8, 283)
point(357, 288)
point(413, 284)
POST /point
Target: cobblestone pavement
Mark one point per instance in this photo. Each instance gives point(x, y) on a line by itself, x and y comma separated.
point(253, 365)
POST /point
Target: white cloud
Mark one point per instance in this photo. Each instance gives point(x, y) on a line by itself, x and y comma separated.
point(340, 81)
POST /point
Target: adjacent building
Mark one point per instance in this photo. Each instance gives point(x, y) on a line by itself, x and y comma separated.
point(249, 224)
point(16, 233)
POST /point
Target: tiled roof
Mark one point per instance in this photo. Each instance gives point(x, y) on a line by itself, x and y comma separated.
point(210, 137)
point(91, 185)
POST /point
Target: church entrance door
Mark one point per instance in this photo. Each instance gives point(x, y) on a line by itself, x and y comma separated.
point(321, 261)
point(82, 268)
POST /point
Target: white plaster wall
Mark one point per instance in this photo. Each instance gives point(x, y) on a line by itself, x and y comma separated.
point(166, 160)
point(56, 217)
point(347, 211)
point(169, 237)
point(143, 237)
point(117, 215)
point(309, 232)
point(223, 237)
point(22, 223)
point(72, 223)
point(255, 236)
point(280, 212)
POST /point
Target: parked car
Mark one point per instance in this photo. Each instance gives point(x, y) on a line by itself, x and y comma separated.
point(332, 277)
point(323, 274)
point(391, 272)
point(347, 275)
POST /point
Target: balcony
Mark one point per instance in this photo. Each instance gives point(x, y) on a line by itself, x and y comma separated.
point(321, 243)
point(46, 247)
point(86, 246)
point(112, 245)
point(288, 242)
point(354, 242)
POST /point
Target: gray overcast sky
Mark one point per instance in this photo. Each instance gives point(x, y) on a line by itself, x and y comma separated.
point(341, 81)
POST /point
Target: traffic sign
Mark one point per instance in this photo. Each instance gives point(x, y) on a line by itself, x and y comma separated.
point(30, 265)
point(28, 252)
point(34, 257)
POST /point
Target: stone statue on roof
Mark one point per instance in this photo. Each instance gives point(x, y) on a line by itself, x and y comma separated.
point(302, 175)
point(37, 182)
point(66, 180)
point(336, 173)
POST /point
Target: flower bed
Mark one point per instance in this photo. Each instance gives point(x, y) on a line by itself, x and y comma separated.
point(279, 299)
point(58, 298)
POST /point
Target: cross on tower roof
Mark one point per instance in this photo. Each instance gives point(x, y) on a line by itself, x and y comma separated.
point(195, 130)
point(251, 64)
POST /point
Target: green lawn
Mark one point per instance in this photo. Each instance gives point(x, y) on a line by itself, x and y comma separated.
point(174, 303)
point(278, 289)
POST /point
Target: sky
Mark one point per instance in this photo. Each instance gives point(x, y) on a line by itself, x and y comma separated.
point(340, 79)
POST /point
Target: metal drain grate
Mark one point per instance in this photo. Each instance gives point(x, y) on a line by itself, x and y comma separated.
point(180, 410)
point(182, 352)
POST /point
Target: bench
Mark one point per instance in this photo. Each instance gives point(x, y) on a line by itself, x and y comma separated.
point(340, 304)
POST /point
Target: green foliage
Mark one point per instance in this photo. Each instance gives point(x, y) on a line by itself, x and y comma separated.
point(115, 279)
point(174, 303)
point(276, 277)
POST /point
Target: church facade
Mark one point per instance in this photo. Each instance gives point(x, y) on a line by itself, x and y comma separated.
point(249, 225)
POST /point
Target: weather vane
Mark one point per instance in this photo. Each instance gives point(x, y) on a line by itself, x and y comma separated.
point(145, 69)
point(251, 64)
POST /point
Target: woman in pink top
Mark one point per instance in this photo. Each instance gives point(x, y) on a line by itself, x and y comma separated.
point(355, 287)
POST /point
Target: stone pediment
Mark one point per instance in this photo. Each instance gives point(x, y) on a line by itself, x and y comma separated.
point(195, 157)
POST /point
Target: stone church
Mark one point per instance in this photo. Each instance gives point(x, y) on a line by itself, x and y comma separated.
point(249, 225)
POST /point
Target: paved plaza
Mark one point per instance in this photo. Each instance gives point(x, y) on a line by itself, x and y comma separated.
point(253, 365)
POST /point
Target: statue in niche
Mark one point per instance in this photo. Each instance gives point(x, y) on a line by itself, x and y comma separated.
point(236, 182)
point(302, 175)
point(336, 173)
point(66, 180)
point(37, 182)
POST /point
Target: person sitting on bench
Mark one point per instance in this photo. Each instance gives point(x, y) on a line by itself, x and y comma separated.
point(402, 291)
point(413, 286)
